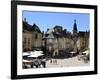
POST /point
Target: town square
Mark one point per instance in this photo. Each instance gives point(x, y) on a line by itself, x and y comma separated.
point(56, 46)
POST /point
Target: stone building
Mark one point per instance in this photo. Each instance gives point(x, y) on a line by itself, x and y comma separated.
point(27, 40)
point(32, 37)
point(83, 40)
point(75, 36)
point(60, 41)
point(80, 38)
point(55, 41)
point(36, 37)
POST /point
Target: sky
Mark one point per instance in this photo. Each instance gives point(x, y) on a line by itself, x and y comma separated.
point(49, 20)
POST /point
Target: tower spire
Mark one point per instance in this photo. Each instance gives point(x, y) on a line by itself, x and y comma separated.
point(75, 27)
point(75, 21)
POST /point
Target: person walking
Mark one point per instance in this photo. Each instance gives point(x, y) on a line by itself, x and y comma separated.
point(51, 61)
point(55, 61)
point(44, 63)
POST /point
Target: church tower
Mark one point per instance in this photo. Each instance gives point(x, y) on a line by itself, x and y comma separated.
point(75, 31)
point(75, 35)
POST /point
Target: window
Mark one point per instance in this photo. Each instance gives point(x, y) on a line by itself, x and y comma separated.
point(28, 42)
point(24, 42)
point(36, 36)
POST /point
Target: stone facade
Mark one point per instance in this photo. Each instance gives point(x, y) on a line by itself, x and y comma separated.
point(36, 40)
point(62, 40)
point(56, 41)
point(27, 41)
point(32, 37)
point(83, 41)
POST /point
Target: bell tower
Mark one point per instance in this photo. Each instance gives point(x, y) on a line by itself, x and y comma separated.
point(75, 28)
point(75, 35)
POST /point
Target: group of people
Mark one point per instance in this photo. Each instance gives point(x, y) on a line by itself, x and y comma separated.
point(38, 63)
point(53, 61)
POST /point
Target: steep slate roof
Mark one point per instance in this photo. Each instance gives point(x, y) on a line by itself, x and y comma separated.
point(83, 33)
point(50, 31)
point(29, 27)
point(26, 26)
point(57, 26)
point(58, 33)
point(36, 28)
point(50, 36)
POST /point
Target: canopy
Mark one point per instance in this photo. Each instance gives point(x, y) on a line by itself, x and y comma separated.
point(36, 54)
point(26, 54)
point(87, 52)
point(73, 52)
point(26, 60)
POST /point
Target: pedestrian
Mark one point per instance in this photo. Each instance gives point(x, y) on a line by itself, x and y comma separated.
point(51, 61)
point(36, 64)
point(44, 63)
point(39, 63)
point(55, 61)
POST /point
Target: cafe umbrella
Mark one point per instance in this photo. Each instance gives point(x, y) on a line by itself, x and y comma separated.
point(86, 52)
point(72, 53)
point(26, 54)
point(35, 55)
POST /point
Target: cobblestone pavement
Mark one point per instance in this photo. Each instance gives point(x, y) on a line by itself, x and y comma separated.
point(66, 62)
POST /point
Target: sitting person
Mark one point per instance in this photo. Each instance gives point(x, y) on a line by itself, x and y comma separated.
point(43, 63)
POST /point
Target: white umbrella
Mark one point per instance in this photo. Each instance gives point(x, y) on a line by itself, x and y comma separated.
point(26, 54)
point(37, 52)
point(73, 52)
point(40, 54)
point(86, 52)
point(33, 56)
point(26, 60)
